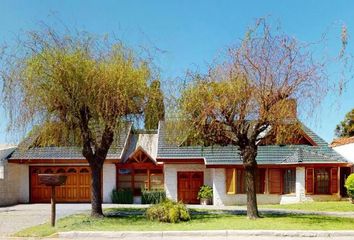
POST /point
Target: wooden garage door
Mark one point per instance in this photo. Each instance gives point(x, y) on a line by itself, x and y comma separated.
point(189, 184)
point(76, 189)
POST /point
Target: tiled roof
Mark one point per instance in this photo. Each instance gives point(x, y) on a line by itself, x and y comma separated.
point(342, 141)
point(71, 152)
point(5, 151)
point(270, 154)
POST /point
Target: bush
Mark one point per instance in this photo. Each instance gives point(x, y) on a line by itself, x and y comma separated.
point(124, 196)
point(153, 196)
point(205, 192)
point(349, 184)
point(168, 211)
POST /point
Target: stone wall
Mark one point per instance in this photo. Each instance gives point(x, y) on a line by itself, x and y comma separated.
point(109, 181)
point(170, 176)
point(14, 187)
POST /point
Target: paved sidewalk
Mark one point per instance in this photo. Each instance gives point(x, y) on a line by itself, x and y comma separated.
point(204, 234)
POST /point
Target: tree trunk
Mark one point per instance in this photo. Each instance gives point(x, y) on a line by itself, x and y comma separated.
point(96, 196)
point(249, 162)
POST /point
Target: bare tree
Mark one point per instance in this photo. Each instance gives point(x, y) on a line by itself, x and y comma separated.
point(251, 95)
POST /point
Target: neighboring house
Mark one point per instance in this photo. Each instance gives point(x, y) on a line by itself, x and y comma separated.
point(306, 169)
point(345, 147)
point(9, 188)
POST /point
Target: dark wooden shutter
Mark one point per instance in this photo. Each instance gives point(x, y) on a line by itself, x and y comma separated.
point(230, 180)
point(334, 180)
point(310, 180)
point(275, 181)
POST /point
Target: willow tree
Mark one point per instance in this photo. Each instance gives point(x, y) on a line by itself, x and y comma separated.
point(155, 108)
point(250, 95)
point(75, 84)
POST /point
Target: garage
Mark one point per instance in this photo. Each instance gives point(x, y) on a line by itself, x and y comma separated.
point(76, 189)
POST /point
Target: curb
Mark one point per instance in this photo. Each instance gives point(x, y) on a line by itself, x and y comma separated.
point(210, 233)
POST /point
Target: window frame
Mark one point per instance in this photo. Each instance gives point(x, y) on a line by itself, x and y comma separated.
point(285, 183)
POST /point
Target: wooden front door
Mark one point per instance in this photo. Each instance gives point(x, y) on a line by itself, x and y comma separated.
point(76, 189)
point(188, 184)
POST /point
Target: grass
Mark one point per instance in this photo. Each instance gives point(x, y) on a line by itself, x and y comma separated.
point(339, 206)
point(211, 221)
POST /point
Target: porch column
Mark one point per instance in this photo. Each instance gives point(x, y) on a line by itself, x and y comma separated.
point(300, 184)
point(219, 188)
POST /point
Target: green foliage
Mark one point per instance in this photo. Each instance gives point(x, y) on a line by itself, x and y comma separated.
point(349, 184)
point(155, 108)
point(346, 127)
point(122, 196)
point(153, 196)
point(205, 192)
point(168, 211)
point(79, 82)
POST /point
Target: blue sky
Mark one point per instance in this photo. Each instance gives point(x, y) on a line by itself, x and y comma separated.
point(191, 33)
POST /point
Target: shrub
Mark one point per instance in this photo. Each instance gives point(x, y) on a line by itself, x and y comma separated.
point(349, 184)
point(205, 192)
point(168, 211)
point(124, 196)
point(153, 196)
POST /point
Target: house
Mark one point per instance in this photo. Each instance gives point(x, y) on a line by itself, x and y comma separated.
point(306, 169)
point(345, 147)
point(9, 188)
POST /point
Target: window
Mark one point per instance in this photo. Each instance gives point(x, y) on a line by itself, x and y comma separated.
point(125, 179)
point(156, 179)
point(235, 181)
point(321, 181)
point(138, 179)
point(289, 181)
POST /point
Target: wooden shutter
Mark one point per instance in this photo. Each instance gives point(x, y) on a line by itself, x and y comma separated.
point(260, 178)
point(230, 180)
point(310, 180)
point(334, 180)
point(275, 181)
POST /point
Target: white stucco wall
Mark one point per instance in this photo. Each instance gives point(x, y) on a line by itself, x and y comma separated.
point(170, 176)
point(109, 181)
point(222, 198)
point(14, 187)
point(347, 151)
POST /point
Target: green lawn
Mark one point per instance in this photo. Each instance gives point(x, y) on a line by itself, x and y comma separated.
point(199, 222)
point(339, 206)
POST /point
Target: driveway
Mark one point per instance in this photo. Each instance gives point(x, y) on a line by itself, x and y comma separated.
point(17, 217)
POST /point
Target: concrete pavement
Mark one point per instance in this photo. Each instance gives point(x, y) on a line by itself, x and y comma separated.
point(203, 234)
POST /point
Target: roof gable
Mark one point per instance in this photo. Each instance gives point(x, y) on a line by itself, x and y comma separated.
point(140, 156)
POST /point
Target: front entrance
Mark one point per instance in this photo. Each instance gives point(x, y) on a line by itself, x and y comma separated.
point(188, 184)
point(76, 189)
point(344, 173)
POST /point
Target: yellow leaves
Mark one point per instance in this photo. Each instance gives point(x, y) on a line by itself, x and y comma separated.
point(59, 75)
